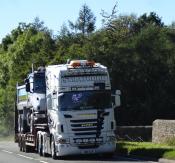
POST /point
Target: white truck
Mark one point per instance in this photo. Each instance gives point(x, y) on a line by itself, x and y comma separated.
point(74, 114)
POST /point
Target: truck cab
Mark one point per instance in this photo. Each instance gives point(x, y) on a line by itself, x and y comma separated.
point(79, 107)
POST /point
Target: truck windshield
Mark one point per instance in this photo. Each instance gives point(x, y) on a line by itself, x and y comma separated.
point(39, 83)
point(84, 100)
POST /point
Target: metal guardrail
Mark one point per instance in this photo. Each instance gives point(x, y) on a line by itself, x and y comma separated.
point(128, 138)
point(134, 133)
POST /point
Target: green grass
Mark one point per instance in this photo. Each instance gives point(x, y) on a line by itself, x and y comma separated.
point(146, 149)
point(3, 130)
point(170, 141)
point(7, 138)
point(5, 134)
point(169, 155)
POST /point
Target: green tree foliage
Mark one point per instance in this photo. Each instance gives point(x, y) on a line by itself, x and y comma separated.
point(139, 64)
point(85, 22)
point(139, 53)
point(29, 43)
point(144, 21)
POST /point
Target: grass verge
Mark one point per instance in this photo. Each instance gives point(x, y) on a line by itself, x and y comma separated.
point(7, 138)
point(146, 149)
point(5, 133)
point(169, 155)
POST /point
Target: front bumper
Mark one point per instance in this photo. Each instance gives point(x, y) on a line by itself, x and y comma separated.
point(67, 149)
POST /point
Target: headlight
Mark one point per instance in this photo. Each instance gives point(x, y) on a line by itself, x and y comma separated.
point(60, 128)
point(62, 141)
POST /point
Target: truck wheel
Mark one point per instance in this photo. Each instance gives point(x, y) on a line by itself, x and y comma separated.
point(40, 148)
point(27, 148)
point(20, 144)
point(40, 151)
point(53, 153)
point(43, 151)
point(23, 144)
point(108, 155)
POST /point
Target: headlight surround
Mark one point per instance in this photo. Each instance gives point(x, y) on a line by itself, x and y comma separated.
point(62, 140)
point(60, 128)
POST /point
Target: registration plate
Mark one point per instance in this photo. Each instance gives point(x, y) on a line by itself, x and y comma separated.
point(88, 151)
point(88, 140)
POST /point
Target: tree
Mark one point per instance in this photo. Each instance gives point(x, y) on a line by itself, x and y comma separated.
point(138, 51)
point(85, 22)
point(146, 20)
point(27, 44)
point(6, 42)
point(108, 18)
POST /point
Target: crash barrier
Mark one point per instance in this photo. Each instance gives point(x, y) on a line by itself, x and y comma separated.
point(134, 133)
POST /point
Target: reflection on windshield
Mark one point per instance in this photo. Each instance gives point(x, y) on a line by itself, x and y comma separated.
point(39, 83)
point(22, 94)
point(85, 100)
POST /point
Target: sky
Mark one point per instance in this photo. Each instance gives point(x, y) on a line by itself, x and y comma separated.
point(55, 13)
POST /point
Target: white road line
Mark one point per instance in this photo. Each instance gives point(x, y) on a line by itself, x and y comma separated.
point(31, 158)
point(43, 161)
point(7, 151)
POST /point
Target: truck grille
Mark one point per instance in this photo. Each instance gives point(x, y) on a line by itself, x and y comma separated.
point(87, 126)
point(87, 132)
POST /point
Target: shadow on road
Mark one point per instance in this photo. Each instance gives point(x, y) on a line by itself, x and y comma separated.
point(100, 158)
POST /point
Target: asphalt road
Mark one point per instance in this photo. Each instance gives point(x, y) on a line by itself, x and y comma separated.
point(9, 153)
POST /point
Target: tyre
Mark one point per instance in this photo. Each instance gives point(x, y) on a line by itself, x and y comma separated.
point(40, 148)
point(44, 154)
point(20, 144)
point(108, 155)
point(53, 152)
point(23, 144)
point(27, 148)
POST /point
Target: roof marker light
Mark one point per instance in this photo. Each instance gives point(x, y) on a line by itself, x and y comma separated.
point(83, 63)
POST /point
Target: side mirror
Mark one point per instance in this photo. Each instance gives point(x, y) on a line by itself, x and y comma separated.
point(27, 85)
point(116, 98)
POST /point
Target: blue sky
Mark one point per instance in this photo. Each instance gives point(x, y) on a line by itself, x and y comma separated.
point(56, 12)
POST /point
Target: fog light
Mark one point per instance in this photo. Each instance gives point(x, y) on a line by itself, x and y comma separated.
point(111, 139)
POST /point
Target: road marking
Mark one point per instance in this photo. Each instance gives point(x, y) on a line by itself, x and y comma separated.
point(7, 151)
point(25, 157)
point(43, 161)
point(31, 158)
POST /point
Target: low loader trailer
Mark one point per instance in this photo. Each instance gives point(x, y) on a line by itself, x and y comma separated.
point(67, 109)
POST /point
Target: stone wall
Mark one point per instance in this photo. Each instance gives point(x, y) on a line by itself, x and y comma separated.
point(163, 130)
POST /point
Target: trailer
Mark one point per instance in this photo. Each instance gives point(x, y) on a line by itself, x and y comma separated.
point(67, 110)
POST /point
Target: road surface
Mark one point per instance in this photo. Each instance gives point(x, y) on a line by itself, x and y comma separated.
point(9, 153)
